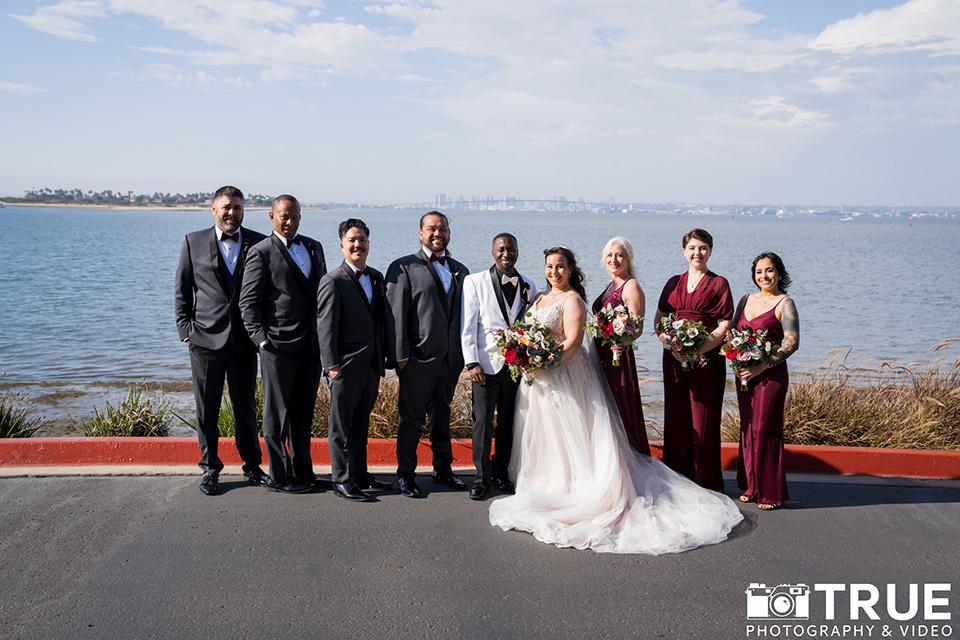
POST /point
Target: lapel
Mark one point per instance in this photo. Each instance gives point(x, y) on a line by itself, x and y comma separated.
point(498, 293)
point(444, 298)
point(298, 276)
point(216, 261)
point(346, 268)
point(245, 245)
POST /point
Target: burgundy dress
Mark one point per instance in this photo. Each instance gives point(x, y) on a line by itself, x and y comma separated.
point(623, 379)
point(693, 401)
point(761, 472)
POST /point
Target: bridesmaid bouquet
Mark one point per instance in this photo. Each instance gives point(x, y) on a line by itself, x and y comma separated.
point(614, 325)
point(527, 348)
point(685, 337)
point(747, 348)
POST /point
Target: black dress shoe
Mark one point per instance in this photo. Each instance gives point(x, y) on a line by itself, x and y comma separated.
point(288, 487)
point(319, 482)
point(210, 485)
point(350, 491)
point(479, 491)
point(504, 485)
point(408, 486)
point(447, 479)
point(254, 474)
point(369, 482)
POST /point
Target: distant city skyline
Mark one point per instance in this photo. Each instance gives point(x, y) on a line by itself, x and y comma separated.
point(712, 101)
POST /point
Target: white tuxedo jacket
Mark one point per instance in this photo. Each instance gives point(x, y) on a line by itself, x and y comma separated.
point(485, 312)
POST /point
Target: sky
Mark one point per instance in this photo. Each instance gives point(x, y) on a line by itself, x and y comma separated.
point(825, 102)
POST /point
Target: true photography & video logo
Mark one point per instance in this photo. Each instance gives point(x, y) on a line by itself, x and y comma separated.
point(855, 610)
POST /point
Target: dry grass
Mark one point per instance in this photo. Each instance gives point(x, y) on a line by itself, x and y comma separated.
point(385, 416)
point(137, 414)
point(873, 404)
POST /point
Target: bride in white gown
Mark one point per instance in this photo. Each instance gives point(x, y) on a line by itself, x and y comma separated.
point(579, 483)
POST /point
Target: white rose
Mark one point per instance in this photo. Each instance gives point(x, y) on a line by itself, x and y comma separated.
point(693, 333)
point(619, 326)
point(677, 324)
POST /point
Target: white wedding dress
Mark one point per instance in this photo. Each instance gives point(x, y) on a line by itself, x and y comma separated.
point(580, 484)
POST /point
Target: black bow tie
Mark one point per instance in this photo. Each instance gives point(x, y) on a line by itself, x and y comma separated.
point(293, 241)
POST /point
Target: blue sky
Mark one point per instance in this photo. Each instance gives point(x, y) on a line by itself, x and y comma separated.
point(751, 101)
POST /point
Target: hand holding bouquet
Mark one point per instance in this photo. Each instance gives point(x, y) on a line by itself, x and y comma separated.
point(684, 338)
point(527, 348)
point(747, 348)
point(614, 325)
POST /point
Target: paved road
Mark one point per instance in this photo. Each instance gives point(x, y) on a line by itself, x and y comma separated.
point(150, 557)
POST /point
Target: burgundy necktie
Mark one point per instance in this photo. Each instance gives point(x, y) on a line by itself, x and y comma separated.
point(293, 241)
point(441, 259)
point(235, 236)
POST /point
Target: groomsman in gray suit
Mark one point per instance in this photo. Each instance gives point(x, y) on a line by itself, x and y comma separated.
point(350, 326)
point(493, 300)
point(278, 303)
point(206, 297)
point(423, 338)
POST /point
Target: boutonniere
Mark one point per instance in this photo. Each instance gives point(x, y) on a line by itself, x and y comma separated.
point(457, 272)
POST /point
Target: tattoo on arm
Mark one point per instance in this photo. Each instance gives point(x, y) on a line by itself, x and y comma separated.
point(791, 333)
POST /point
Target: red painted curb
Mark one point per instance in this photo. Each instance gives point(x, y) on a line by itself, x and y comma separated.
point(27, 452)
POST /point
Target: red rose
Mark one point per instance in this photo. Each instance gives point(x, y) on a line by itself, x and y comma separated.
point(510, 356)
point(731, 355)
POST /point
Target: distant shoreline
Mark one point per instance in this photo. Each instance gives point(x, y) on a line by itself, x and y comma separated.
point(138, 207)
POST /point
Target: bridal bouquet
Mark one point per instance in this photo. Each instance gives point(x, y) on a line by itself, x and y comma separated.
point(685, 338)
point(747, 348)
point(527, 348)
point(614, 325)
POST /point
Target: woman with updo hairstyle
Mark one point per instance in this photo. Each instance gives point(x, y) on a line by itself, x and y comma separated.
point(693, 398)
point(760, 471)
point(623, 289)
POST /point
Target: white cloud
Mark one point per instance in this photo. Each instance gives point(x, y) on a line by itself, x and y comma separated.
point(777, 112)
point(65, 19)
point(13, 87)
point(917, 25)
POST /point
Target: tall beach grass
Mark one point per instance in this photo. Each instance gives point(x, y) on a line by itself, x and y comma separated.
point(872, 404)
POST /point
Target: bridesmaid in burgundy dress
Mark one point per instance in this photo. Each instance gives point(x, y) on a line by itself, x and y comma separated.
point(623, 287)
point(760, 472)
point(693, 400)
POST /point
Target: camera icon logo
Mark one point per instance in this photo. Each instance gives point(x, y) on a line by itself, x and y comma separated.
point(784, 601)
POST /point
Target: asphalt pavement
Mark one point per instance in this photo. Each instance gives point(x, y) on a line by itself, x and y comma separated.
point(151, 557)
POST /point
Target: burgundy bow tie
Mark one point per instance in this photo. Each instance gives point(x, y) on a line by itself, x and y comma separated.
point(363, 272)
point(235, 236)
point(293, 241)
point(441, 259)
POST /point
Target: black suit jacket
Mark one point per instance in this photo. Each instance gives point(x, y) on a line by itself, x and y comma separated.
point(423, 321)
point(277, 303)
point(206, 295)
point(351, 328)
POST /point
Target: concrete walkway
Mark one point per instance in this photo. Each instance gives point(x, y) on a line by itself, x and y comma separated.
point(148, 556)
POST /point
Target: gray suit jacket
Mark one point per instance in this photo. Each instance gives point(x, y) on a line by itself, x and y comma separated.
point(351, 328)
point(277, 303)
point(422, 320)
point(206, 295)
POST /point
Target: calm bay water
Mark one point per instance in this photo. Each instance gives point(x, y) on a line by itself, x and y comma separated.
point(87, 294)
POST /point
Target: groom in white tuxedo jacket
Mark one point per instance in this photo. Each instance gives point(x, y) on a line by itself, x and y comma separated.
point(493, 300)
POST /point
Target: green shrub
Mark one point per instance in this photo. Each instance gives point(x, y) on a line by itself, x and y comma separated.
point(136, 415)
point(16, 419)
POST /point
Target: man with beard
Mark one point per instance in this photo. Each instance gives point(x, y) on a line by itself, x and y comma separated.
point(423, 338)
point(206, 295)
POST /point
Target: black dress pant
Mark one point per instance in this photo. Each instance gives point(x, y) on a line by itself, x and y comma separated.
point(500, 393)
point(352, 394)
point(209, 368)
point(426, 390)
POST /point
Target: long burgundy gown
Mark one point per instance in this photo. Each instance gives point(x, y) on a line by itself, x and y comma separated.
point(623, 379)
point(760, 471)
point(693, 400)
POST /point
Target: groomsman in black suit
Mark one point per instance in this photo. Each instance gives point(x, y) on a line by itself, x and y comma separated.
point(206, 297)
point(493, 300)
point(423, 338)
point(350, 326)
point(278, 303)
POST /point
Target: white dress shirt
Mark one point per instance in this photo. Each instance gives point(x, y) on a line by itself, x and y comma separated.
point(299, 254)
point(365, 283)
point(443, 270)
point(229, 250)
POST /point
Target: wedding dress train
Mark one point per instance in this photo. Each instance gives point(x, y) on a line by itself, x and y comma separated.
point(580, 484)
